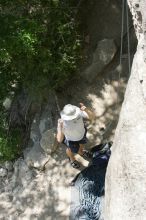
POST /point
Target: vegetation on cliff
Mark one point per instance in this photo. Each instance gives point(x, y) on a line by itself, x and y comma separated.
point(39, 50)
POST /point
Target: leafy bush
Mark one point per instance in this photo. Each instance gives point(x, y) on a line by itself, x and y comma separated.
point(9, 143)
point(9, 148)
point(39, 51)
point(40, 45)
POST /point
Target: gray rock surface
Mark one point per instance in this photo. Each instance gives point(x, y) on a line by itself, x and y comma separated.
point(48, 141)
point(30, 194)
point(35, 134)
point(125, 192)
point(9, 165)
point(42, 136)
point(3, 172)
point(35, 156)
point(103, 55)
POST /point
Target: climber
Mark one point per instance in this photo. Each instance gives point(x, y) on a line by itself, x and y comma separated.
point(71, 131)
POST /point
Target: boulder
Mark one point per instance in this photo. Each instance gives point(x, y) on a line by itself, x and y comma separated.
point(103, 55)
point(45, 123)
point(35, 157)
point(9, 166)
point(48, 141)
point(7, 103)
point(3, 172)
point(35, 132)
point(22, 174)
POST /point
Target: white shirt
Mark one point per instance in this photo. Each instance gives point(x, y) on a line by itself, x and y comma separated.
point(74, 130)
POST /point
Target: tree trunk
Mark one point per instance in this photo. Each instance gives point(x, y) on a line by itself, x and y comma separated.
point(125, 189)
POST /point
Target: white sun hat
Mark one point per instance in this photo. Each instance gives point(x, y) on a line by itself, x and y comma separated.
point(70, 112)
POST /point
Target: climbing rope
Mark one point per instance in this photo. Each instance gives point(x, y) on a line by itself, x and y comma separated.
point(122, 31)
point(128, 38)
point(124, 4)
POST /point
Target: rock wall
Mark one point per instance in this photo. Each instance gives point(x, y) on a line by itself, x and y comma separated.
point(35, 186)
point(125, 191)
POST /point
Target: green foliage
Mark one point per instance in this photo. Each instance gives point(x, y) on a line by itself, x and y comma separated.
point(39, 51)
point(9, 148)
point(40, 46)
point(9, 143)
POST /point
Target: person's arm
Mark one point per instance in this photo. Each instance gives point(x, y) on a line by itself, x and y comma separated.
point(60, 134)
point(91, 114)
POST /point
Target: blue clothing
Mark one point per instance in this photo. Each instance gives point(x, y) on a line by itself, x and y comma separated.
point(88, 186)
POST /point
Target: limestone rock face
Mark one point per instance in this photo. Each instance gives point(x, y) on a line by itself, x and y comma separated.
point(48, 141)
point(105, 51)
point(42, 139)
point(35, 156)
point(36, 186)
point(9, 165)
point(3, 172)
point(125, 191)
point(102, 56)
point(22, 174)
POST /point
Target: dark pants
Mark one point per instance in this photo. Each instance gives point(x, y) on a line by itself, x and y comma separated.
point(75, 145)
